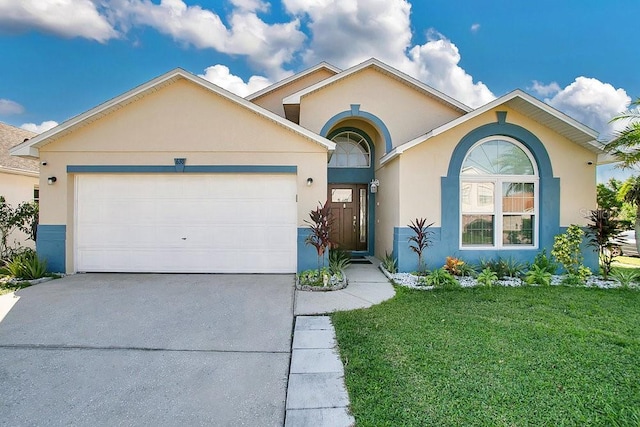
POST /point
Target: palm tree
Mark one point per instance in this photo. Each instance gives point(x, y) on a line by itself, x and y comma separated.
point(626, 145)
point(630, 192)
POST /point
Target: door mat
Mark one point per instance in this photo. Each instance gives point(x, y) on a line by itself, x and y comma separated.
point(360, 260)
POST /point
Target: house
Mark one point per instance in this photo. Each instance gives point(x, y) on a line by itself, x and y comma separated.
point(18, 176)
point(179, 175)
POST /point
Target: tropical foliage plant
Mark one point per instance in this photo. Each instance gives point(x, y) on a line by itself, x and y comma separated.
point(26, 265)
point(339, 259)
point(390, 262)
point(604, 234)
point(487, 278)
point(440, 278)
point(24, 217)
point(630, 193)
point(538, 275)
point(625, 145)
point(625, 276)
point(566, 249)
point(320, 226)
point(545, 262)
point(421, 240)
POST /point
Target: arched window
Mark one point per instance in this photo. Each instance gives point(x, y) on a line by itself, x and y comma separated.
point(352, 151)
point(498, 196)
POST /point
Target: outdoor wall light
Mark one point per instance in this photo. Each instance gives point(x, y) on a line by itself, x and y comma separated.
point(374, 184)
point(589, 163)
point(51, 180)
point(309, 182)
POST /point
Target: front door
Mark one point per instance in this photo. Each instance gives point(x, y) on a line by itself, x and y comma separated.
point(349, 216)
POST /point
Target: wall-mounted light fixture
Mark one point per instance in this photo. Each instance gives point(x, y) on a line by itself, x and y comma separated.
point(43, 163)
point(309, 182)
point(373, 185)
point(51, 180)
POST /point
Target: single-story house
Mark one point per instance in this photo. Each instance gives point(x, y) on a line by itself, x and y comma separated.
point(19, 181)
point(180, 175)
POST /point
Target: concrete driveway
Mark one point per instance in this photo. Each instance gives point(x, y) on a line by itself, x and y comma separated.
point(148, 349)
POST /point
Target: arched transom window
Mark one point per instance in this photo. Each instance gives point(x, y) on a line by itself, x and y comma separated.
point(498, 196)
point(352, 151)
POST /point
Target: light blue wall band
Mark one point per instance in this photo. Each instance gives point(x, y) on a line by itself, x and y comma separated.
point(448, 244)
point(181, 168)
point(50, 246)
point(307, 254)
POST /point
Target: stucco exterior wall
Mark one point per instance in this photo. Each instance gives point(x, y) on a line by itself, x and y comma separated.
point(406, 112)
point(387, 202)
point(179, 121)
point(272, 101)
point(17, 189)
point(424, 165)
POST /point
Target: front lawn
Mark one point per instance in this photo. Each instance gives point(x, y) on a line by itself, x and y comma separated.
point(543, 356)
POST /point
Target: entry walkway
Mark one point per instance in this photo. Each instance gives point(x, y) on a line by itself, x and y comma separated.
point(316, 395)
point(367, 287)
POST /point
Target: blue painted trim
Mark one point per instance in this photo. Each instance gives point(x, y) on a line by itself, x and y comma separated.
point(355, 111)
point(180, 162)
point(522, 135)
point(51, 246)
point(307, 255)
point(448, 243)
point(187, 169)
point(502, 117)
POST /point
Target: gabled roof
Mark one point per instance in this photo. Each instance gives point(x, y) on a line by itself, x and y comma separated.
point(11, 136)
point(293, 78)
point(526, 105)
point(387, 70)
point(30, 148)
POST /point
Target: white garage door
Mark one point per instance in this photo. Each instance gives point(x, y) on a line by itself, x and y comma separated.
point(214, 223)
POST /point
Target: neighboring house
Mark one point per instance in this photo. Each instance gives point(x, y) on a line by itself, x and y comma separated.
point(179, 175)
point(18, 176)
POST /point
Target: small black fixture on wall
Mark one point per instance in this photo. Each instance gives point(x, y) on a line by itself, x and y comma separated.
point(51, 180)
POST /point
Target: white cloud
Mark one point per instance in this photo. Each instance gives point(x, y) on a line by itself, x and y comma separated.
point(347, 32)
point(9, 107)
point(436, 63)
point(382, 29)
point(593, 103)
point(42, 127)
point(220, 75)
point(266, 46)
point(251, 5)
point(475, 28)
point(545, 90)
point(66, 18)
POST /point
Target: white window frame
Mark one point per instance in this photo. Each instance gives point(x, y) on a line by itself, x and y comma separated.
point(498, 213)
point(363, 140)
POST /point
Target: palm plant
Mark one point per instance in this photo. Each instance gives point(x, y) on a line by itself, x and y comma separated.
point(630, 192)
point(626, 144)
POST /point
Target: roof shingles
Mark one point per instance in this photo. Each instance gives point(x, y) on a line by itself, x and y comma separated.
point(11, 136)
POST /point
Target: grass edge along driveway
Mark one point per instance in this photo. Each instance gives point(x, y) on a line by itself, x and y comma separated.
point(555, 356)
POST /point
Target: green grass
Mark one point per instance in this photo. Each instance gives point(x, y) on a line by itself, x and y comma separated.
point(526, 356)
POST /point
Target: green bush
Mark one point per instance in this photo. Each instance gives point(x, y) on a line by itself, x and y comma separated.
point(487, 278)
point(625, 276)
point(545, 262)
point(26, 266)
point(440, 278)
point(538, 275)
point(390, 263)
point(566, 249)
point(316, 277)
point(339, 259)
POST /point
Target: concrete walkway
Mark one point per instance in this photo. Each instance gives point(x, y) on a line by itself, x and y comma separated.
point(367, 287)
point(316, 394)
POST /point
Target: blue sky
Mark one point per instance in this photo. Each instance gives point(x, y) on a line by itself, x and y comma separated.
point(62, 57)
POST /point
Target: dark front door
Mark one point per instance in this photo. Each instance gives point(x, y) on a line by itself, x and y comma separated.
point(349, 216)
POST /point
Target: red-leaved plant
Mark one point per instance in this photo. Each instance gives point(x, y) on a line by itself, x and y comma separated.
point(320, 226)
point(421, 240)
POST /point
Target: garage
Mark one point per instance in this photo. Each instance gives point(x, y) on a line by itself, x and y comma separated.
point(185, 222)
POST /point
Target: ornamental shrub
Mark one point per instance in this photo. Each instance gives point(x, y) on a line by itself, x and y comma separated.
point(566, 249)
